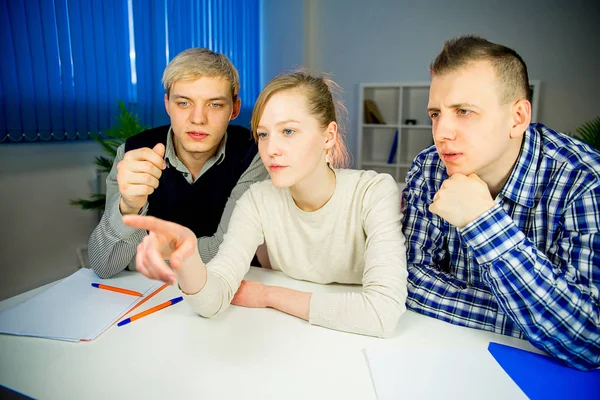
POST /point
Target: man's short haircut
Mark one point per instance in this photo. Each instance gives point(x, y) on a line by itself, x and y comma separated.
point(510, 68)
point(197, 62)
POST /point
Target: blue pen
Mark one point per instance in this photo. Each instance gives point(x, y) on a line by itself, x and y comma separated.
point(150, 310)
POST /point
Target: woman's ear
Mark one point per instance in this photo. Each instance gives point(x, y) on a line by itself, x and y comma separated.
point(521, 118)
point(331, 135)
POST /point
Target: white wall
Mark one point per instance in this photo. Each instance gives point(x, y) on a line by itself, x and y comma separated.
point(39, 230)
point(395, 40)
point(282, 32)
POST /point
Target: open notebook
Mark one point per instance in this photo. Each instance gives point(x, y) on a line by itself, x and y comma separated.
point(73, 310)
point(423, 372)
point(501, 372)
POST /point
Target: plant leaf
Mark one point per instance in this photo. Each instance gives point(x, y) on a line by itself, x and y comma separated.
point(589, 133)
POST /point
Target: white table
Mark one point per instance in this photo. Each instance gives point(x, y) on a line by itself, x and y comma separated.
point(240, 354)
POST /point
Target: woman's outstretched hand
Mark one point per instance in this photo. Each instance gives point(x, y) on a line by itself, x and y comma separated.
point(165, 241)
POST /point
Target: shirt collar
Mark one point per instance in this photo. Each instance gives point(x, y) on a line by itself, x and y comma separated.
point(521, 184)
point(220, 154)
point(171, 155)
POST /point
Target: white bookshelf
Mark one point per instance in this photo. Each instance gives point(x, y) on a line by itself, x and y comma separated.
point(397, 103)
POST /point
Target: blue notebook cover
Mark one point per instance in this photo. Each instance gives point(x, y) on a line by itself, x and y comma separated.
point(542, 377)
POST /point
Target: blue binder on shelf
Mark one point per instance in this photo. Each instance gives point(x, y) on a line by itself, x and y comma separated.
point(393, 149)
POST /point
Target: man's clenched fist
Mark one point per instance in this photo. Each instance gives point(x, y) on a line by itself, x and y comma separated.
point(462, 199)
point(137, 175)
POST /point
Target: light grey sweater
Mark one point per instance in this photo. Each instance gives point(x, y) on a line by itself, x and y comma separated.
point(355, 238)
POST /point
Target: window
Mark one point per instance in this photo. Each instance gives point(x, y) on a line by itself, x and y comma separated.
point(66, 63)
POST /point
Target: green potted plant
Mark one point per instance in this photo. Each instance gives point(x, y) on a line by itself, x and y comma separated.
point(589, 133)
point(127, 125)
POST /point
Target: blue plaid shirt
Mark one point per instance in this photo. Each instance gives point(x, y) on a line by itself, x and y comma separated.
point(530, 266)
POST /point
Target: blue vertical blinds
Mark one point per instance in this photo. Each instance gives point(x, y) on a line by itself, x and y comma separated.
point(66, 63)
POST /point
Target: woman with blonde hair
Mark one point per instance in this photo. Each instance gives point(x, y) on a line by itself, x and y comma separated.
point(319, 222)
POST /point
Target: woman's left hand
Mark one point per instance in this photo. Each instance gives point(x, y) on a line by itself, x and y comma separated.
point(250, 294)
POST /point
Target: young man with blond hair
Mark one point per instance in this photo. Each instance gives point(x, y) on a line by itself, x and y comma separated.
point(190, 172)
point(502, 217)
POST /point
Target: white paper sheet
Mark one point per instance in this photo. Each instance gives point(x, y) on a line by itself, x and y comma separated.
point(439, 373)
point(73, 310)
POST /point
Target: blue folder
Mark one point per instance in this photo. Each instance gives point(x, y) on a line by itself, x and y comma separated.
point(542, 377)
point(393, 149)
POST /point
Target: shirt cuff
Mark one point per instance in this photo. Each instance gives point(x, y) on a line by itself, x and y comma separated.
point(207, 302)
point(492, 234)
point(115, 219)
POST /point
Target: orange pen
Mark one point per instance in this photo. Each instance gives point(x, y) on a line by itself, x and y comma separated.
point(116, 289)
point(150, 311)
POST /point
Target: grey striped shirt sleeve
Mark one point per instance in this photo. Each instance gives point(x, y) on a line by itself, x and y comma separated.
point(112, 245)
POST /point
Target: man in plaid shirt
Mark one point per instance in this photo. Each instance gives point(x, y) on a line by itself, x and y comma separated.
point(502, 217)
